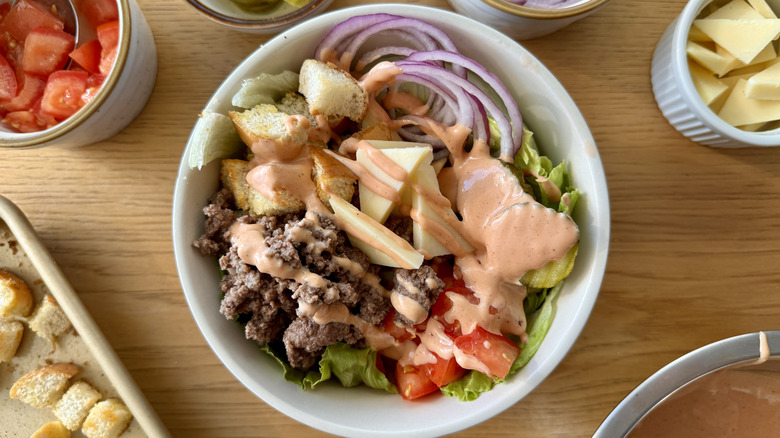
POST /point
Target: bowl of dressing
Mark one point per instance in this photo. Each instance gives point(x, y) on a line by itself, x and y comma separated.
point(259, 16)
point(527, 19)
point(731, 385)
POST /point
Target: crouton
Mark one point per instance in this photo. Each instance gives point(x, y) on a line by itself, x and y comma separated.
point(49, 320)
point(15, 296)
point(331, 91)
point(10, 337)
point(107, 419)
point(328, 174)
point(42, 387)
point(53, 429)
point(248, 199)
point(295, 104)
point(75, 404)
point(266, 122)
point(380, 131)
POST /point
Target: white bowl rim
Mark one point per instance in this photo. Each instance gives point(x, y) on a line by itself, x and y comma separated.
point(712, 357)
point(499, 399)
point(689, 94)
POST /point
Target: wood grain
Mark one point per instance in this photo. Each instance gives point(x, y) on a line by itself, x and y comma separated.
point(693, 256)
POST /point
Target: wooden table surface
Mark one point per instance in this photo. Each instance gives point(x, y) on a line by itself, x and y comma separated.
point(693, 258)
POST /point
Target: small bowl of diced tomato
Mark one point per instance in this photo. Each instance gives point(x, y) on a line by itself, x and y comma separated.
point(72, 82)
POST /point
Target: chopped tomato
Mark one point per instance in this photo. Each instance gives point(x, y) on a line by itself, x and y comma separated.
point(413, 382)
point(98, 12)
point(31, 91)
point(27, 15)
point(88, 56)
point(46, 51)
point(4, 9)
point(62, 96)
point(108, 34)
point(496, 352)
point(107, 58)
point(8, 84)
point(444, 371)
point(93, 86)
point(443, 304)
point(29, 120)
point(399, 333)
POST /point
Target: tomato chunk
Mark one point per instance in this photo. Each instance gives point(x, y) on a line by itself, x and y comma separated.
point(27, 15)
point(496, 352)
point(29, 120)
point(62, 95)
point(88, 56)
point(93, 86)
point(444, 371)
point(443, 305)
point(108, 34)
point(98, 12)
point(413, 382)
point(31, 91)
point(46, 51)
point(401, 334)
point(8, 84)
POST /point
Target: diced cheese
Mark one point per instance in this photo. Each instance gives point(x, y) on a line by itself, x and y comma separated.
point(695, 34)
point(374, 239)
point(740, 110)
point(409, 159)
point(743, 38)
point(765, 84)
point(708, 58)
point(762, 8)
point(736, 9)
point(707, 85)
point(753, 68)
point(423, 240)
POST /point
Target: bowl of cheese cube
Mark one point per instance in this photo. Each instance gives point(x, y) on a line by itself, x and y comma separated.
point(716, 73)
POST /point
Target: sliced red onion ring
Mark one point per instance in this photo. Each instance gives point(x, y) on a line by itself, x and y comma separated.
point(346, 29)
point(490, 79)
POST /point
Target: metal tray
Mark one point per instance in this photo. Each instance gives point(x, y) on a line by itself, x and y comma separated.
point(22, 252)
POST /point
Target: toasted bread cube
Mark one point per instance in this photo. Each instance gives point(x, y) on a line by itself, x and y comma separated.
point(49, 320)
point(331, 91)
point(10, 337)
point(265, 121)
point(15, 296)
point(75, 404)
point(327, 173)
point(44, 386)
point(53, 429)
point(107, 419)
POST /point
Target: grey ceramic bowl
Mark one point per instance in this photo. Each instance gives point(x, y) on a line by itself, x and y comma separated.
point(261, 21)
point(738, 350)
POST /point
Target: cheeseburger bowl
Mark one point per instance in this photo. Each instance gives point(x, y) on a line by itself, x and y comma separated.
point(562, 134)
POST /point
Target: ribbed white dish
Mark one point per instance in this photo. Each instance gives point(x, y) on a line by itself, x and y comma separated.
point(678, 100)
point(124, 94)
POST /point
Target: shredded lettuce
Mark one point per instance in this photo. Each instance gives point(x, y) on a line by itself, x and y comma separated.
point(475, 383)
point(265, 88)
point(350, 366)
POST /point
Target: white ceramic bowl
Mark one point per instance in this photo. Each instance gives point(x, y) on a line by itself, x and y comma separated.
point(738, 350)
point(261, 21)
point(361, 411)
point(677, 97)
point(121, 98)
point(524, 23)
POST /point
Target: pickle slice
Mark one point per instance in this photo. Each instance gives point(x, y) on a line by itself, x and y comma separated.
point(553, 272)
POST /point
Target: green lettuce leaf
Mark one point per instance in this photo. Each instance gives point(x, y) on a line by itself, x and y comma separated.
point(350, 366)
point(213, 137)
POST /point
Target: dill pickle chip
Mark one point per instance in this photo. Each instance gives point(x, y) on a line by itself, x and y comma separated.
point(553, 272)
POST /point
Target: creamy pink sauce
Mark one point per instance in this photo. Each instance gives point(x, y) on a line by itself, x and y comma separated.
point(734, 402)
point(510, 232)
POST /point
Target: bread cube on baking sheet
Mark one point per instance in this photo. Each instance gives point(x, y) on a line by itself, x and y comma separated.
point(42, 387)
point(10, 337)
point(107, 419)
point(49, 320)
point(75, 404)
point(53, 429)
point(15, 296)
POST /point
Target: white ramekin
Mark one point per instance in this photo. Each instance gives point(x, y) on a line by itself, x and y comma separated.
point(122, 97)
point(677, 97)
point(520, 22)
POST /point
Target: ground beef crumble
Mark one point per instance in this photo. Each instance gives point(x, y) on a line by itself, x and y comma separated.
point(421, 285)
point(268, 303)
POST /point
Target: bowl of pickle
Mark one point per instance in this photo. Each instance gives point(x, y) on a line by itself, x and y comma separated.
point(259, 16)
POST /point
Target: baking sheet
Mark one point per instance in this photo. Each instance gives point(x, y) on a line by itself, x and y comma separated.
point(23, 253)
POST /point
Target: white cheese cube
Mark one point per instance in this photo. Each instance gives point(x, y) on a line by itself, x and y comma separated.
point(762, 8)
point(743, 38)
point(736, 9)
point(707, 85)
point(765, 84)
point(740, 110)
